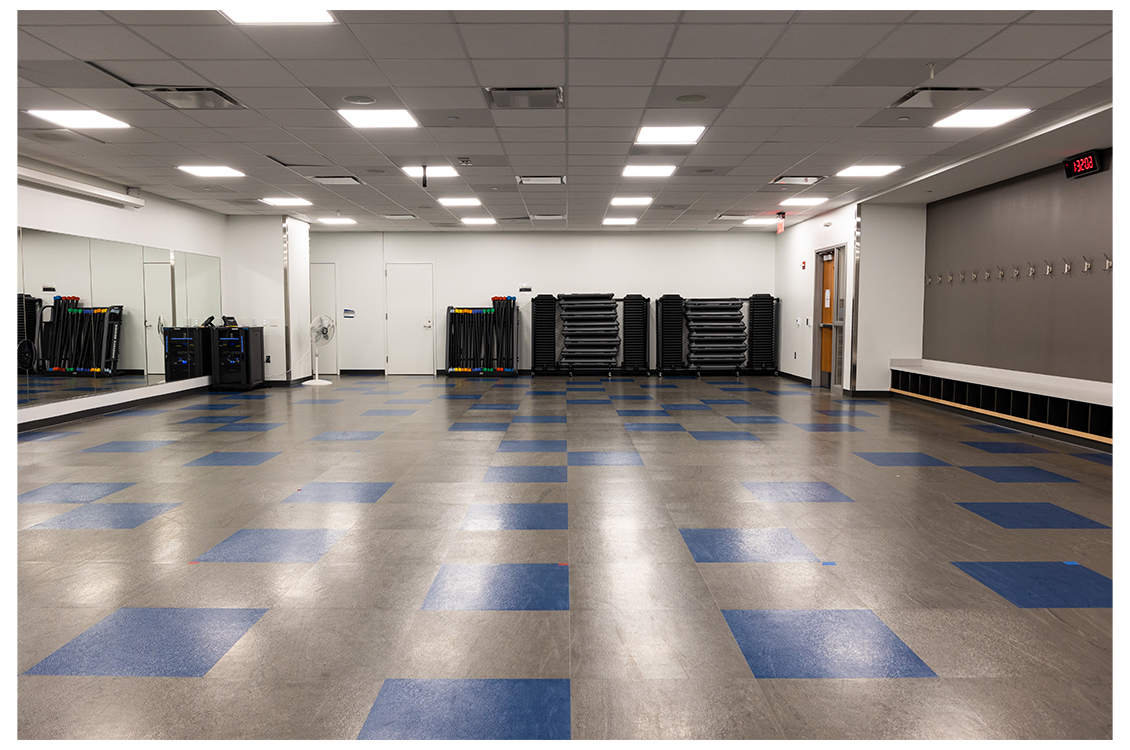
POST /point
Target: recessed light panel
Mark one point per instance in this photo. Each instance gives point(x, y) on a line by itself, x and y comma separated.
point(804, 201)
point(626, 201)
point(670, 135)
point(760, 221)
point(432, 171)
point(277, 13)
point(460, 202)
point(379, 118)
point(620, 221)
point(646, 170)
point(285, 201)
point(872, 171)
point(80, 119)
point(337, 221)
point(541, 180)
point(483, 220)
point(398, 217)
point(981, 118)
point(212, 171)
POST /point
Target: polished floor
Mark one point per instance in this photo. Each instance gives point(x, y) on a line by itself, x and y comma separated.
point(584, 558)
point(35, 389)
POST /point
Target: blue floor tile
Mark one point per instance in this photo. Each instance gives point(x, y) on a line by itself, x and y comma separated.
point(207, 407)
point(845, 413)
point(513, 586)
point(588, 401)
point(821, 643)
point(1000, 447)
point(686, 407)
point(214, 419)
point(828, 427)
point(1031, 516)
point(494, 407)
point(474, 709)
point(465, 396)
point(757, 419)
point(43, 437)
point(585, 390)
point(746, 545)
point(234, 458)
point(796, 492)
point(138, 412)
point(1037, 585)
point(107, 516)
point(785, 393)
point(249, 427)
point(247, 396)
point(729, 435)
point(532, 446)
point(128, 446)
point(516, 516)
point(995, 428)
point(274, 546)
point(723, 401)
point(318, 401)
point(642, 413)
point(388, 413)
point(545, 393)
point(513, 474)
point(347, 435)
point(436, 385)
point(617, 380)
point(648, 385)
point(631, 398)
point(860, 402)
point(340, 492)
point(352, 388)
point(403, 401)
point(385, 393)
point(479, 427)
point(901, 459)
point(152, 642)
point(1017, 474)
point(1105, 459)
point(654, 427)
point(541, 419)
point(508, 385)
point(739, 390)
point(72, 492)
point(605, 458)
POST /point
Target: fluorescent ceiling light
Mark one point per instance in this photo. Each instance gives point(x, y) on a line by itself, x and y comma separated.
point(670, 135)
point(337, 221)
point(620, 221)
point(77, 119)
point(285, 201)
point(379, 118)
point(547, 217)
point(761, 221)
point(432, 171)
point(460, 202)
point(631, 201)
point(873, 171)
point(803, 201)
point(541, 180)
point(398, 217)
point(981, 118)
point(276, 13)
point(644, 170)
point(212, 171)
point(486, 220)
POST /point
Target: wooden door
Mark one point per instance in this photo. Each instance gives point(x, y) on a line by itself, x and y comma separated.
point(826, 319)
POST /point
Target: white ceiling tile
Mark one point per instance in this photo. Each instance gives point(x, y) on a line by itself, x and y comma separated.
point(964, 16)
point(203, 42)
point(753, 117)
point(721, 135)
point(422, 72)
point(629, 40)
point(409, 40)
point(1100, 49)
point(1069, 73)
point(40, 98)
point(1039, 42)
point(31, 48)
point(514, 40)
point(1031, 98)
point(945, 41)
point(857, 96)
point(270, 97)
point(798, 72)
point(97, 42)
point(605, 117)
point(169, 17)
point(599, 97)
point(503, 73)
point(738, 16)
point(154, 72)
point(729, 40)
point(602, 134)
point(335, 72)
point(257, 73)
point(830, 117)
point(984, 73)
point(511, 135)
point(467, 97)
point(1069, 17)
point(851, 16)
point(721, 72)
point(773, 95)
point(509, 16)
point(534, 147)
point(310, 118)
point(253, 135)
point(829, 40)
point(536, 118)
point(623, 16)
point(299, 42)
point(663, 117)
point(121, 98)
point(472, 149)
point(595, 72)
point(62, 17)
point(180, 135)
point(599, 147)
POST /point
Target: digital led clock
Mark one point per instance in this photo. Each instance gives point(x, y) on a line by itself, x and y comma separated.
point(1082, 165)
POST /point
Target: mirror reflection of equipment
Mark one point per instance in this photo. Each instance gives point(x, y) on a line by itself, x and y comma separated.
point(321, 333)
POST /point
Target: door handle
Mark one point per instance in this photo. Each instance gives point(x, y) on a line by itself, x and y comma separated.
point(427, 324)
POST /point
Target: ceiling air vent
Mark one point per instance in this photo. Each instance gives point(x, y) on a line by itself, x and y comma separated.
point(191, 97)
point(524, 98)
point(541, 179)
point(547, 217)
point(797, 180)
point(336, 180)
point(939, 98)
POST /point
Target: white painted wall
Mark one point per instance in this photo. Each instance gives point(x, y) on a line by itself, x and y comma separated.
point(891, 267)
point(252, 281)
point(298, 291)
point(796, 288)
point(470, 268)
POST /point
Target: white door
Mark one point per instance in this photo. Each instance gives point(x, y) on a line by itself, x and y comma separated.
point(409, 308)
point(158, 313)
point(323, 301)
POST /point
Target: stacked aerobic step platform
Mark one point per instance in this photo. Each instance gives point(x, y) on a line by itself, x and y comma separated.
point(544, 335)
point(669, 340)
point(483, 340)
point(635, 333)
point(81, 340)
point(591, 331)
point(716, 334)
point(762, 333)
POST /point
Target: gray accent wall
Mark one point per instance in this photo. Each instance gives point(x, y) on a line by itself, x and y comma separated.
point(1054, 325)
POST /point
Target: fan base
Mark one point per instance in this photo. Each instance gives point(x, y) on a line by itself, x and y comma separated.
point(318, 382)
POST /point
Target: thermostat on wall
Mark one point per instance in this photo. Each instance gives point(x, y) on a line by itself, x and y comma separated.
point(525, 288)
point(348, 314)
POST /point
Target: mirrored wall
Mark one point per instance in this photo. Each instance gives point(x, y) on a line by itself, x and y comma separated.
point(155, 288)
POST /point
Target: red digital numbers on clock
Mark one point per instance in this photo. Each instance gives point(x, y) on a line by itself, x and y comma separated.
point(1082, 164)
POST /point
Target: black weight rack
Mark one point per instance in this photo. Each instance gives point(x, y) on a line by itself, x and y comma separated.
point(591, 332)
point(81, 341)
point(716, 333)
point(762, 334)
point(544, 334)
point(669, 339)
point(635, 316)
point(483, 340)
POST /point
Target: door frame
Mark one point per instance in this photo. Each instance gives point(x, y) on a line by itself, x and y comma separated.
point(837, 252)
point(432, 345)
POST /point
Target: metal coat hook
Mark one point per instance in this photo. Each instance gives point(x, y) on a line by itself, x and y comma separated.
point(1047, 268)
point(1109, 263)
point(949, 277)
point(939, 278)
point(1086, 265)
point(973, 275)
point(1031, 270)
point(927, 279)
point(988, 274)
point(1000, 272)
point(961, 276)
point(1015, 272)
point(1066, 266)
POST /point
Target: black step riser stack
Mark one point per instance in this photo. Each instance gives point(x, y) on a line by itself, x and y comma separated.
point(669, 338)
point(591, 332)
point(762, 333)
point(544, 333)
point(717, 334)
point(635, 314)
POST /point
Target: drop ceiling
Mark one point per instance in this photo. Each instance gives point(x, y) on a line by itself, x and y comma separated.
point(780, 93)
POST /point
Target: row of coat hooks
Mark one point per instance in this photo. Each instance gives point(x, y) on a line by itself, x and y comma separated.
point(1049, 270)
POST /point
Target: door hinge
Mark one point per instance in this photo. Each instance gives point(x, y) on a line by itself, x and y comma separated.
point(386, 316)
point(386, 360)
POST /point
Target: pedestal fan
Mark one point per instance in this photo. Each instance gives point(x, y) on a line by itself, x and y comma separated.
point(321, 333)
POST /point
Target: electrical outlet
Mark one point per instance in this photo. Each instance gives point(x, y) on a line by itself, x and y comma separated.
point(268, 359)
